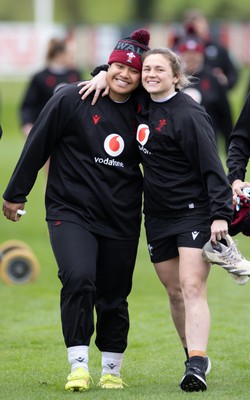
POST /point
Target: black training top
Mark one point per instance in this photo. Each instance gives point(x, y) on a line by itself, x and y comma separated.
point(208, 92)
point(217, 56)
point(182, 169)
point(41, 88)
point(94, 175)
point(239, 145)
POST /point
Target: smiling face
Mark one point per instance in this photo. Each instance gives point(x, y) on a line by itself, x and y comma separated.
point(157, 76)
point(122, 80)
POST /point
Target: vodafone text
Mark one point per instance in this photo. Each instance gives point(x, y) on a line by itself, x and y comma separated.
point(145, 151)
point(108, 161)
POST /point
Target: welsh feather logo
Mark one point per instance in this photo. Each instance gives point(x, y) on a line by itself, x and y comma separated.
point(114, 145)
point(130, 56)
point(142, 134)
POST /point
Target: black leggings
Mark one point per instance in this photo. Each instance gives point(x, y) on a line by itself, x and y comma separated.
point(95, 271)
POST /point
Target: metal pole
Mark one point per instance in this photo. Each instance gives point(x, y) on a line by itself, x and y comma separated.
point(44, 11)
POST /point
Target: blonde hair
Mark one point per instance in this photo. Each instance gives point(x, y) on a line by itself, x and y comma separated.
point(176, 64)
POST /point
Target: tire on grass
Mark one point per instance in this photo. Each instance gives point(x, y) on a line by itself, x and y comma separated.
point(9, 245)
point(19, 266)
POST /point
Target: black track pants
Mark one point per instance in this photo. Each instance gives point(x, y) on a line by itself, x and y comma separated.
point(95, 271)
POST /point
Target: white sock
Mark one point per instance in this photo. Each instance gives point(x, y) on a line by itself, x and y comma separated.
point(111, 363)
point(78, 357)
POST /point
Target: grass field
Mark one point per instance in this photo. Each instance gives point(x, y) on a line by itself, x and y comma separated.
point(33, 357)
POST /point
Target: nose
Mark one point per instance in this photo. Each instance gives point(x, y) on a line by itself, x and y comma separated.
point(151, 72)
point(125, 71)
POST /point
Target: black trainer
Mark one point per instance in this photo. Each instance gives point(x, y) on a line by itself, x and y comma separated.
point(194, 380)
point(208, 365)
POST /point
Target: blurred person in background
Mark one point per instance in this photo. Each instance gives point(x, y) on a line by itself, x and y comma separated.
point(204, 87)
point(239, 151)
point(216, 55)
point(59, 70)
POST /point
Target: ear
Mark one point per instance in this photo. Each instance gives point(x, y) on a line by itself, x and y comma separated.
point(175, 80)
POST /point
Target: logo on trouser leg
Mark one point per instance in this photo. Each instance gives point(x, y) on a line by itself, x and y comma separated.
point(150, 249)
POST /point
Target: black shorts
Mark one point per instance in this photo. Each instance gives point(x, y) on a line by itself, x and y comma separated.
point(166, 235)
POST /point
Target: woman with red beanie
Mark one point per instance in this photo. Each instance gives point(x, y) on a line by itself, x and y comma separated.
point(93, 208)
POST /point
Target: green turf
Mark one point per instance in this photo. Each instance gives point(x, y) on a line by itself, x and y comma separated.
point(33, 358)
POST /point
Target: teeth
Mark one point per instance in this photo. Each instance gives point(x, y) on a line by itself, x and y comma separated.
point(120, 82)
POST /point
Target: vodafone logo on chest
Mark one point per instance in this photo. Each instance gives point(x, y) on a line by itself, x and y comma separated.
point(142, 134)
point(114, 145)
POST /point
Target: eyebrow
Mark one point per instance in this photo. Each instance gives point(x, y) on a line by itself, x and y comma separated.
point(156, 66)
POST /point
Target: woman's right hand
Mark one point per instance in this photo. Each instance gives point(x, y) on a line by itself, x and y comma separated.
point(97, 84)
point(13, 211)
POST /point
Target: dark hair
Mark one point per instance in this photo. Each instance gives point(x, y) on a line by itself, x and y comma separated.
point(55, 46)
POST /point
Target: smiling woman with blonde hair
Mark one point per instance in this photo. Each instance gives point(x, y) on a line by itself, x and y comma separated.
point(187, 198)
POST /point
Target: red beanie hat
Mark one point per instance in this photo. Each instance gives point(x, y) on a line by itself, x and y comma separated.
point(190, 45)
point(190, 42)
point(129, 50)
